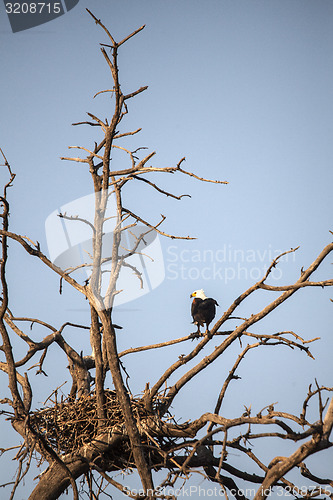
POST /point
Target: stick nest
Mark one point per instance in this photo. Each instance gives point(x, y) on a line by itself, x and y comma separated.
point(72, 423)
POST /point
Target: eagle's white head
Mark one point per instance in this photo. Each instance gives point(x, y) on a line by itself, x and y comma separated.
point(199, 294)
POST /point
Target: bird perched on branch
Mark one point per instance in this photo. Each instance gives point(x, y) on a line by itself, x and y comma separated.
point(203, 310)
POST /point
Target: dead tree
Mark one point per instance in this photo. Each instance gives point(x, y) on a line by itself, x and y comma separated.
point(93, 432)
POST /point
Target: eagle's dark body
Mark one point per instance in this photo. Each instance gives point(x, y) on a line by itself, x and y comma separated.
point(203, 309)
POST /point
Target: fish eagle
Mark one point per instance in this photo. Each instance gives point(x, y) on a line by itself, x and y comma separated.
point(203, 310)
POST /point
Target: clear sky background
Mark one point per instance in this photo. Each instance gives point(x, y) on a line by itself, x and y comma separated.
point(242, 89)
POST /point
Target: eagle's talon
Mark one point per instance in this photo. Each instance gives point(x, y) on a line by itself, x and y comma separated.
point(195, 335)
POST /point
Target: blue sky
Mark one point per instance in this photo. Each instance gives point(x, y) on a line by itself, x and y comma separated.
point(243, 90)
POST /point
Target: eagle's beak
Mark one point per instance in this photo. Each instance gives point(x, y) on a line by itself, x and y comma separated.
point(192, 295)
